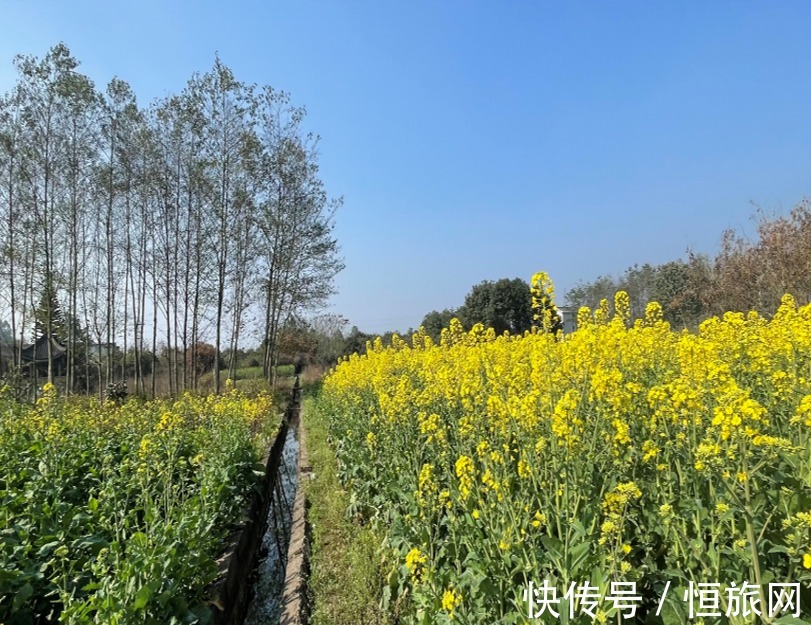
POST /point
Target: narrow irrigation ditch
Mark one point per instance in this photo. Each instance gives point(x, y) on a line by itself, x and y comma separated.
point(264, 569)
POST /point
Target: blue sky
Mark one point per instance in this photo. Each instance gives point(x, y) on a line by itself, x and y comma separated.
point(481, 140)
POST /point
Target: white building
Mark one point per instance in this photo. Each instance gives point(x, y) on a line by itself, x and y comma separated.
point(568, 317)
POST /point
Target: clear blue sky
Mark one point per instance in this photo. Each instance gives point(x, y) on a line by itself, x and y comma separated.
point(481, 140)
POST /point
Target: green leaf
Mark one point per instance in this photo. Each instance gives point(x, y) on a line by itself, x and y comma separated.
point(385, 599)
point(578, 555)
point(23, 595)
point(93, 543)
point(144, 595)
point(673, 609)
point(579, 528)
point(553, 545)
point(47, 548)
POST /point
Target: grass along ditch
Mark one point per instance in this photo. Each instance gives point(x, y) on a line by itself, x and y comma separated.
point(345, 566)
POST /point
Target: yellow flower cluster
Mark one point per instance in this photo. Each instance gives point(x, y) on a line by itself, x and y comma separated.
point(451, 599)
point(415, 562)
point(465, 471)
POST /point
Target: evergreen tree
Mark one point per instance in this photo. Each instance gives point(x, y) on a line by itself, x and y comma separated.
point(47, 311)
point(504, 305)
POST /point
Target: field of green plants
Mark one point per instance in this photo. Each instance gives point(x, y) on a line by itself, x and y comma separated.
point(622, 453)
point(115, 514)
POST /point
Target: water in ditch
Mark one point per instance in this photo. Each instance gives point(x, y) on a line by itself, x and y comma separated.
point(266, 606)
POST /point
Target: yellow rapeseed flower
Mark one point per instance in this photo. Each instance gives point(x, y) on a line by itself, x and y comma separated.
point(451, 599)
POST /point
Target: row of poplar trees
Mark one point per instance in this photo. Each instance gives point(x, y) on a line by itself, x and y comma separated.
point(201, 217)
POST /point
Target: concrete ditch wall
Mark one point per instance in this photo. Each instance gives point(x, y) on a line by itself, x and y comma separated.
point(232, 590)
point(295, 606)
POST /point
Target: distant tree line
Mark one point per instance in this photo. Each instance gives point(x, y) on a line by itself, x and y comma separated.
point(200, 218)
point(744, 275)
point(506, 305)
point(318, 340)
